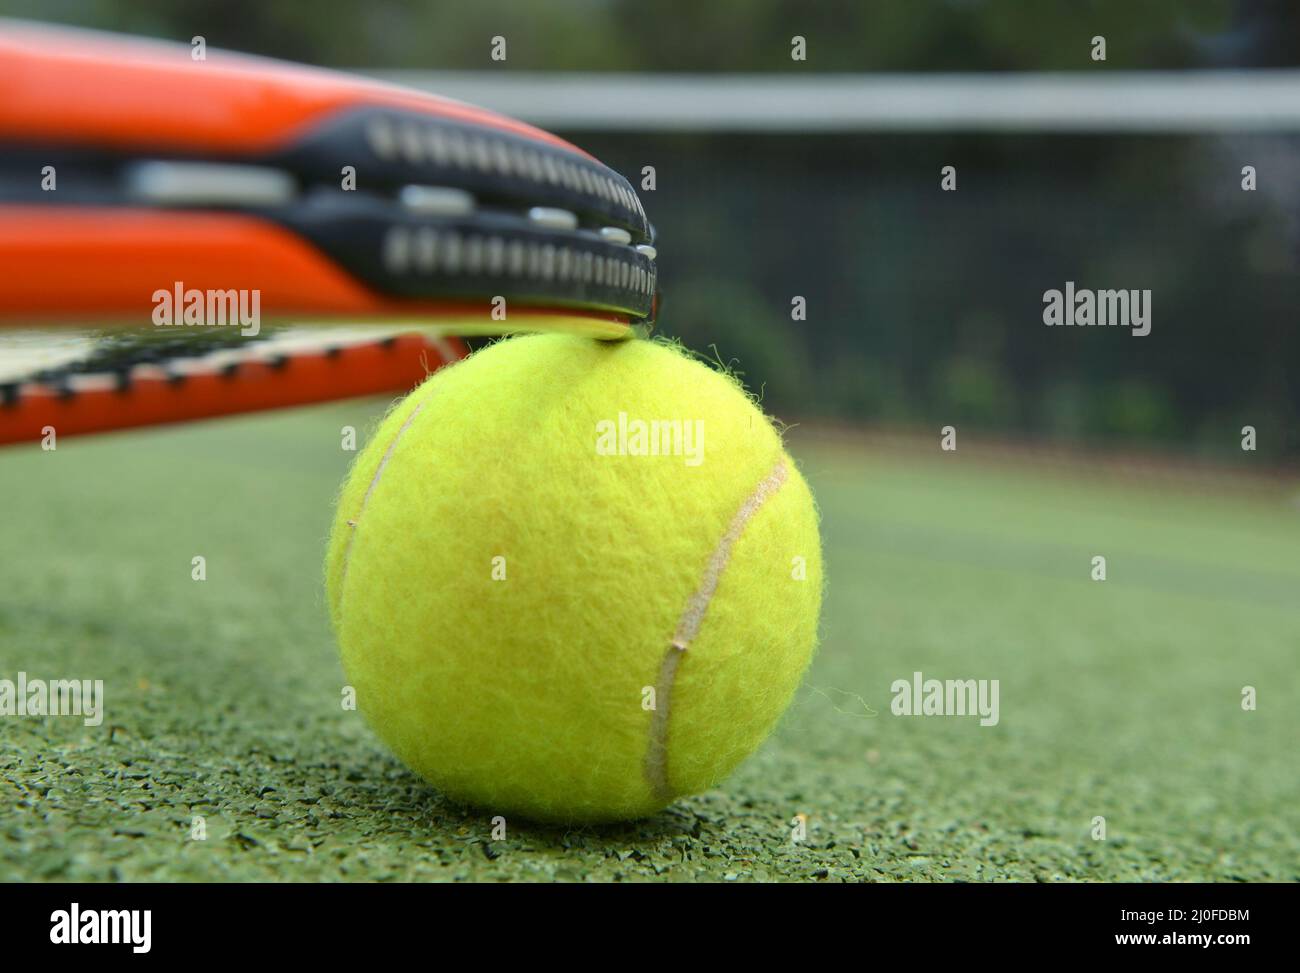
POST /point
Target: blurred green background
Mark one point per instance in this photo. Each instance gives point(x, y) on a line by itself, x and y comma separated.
point(725, 35)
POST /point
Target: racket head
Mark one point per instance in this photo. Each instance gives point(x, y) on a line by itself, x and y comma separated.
point(128, 167)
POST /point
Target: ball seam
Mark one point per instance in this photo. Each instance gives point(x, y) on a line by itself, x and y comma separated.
point(354, 522)
point(688, 627)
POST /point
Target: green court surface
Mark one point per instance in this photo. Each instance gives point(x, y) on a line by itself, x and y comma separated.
point(1118, 699)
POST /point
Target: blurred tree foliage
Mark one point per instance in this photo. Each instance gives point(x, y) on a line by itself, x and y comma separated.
point(718, 35)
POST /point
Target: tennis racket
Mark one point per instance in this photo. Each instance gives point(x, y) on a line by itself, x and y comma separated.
point(141, 186)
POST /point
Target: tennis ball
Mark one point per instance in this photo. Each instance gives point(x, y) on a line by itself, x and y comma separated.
point(574, 579)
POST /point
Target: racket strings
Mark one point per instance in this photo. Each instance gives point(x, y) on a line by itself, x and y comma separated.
point(64, 365)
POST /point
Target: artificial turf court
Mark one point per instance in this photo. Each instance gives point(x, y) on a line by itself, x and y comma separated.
point(1119, 699)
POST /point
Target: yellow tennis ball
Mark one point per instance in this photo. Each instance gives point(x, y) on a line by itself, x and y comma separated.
point(574, 579)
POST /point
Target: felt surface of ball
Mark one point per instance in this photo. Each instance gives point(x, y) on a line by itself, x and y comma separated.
point(574, 579)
